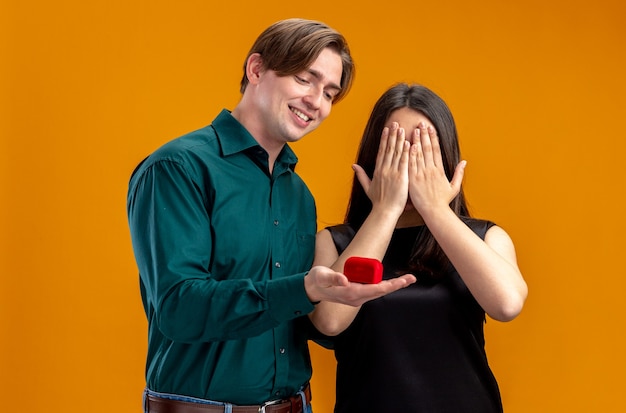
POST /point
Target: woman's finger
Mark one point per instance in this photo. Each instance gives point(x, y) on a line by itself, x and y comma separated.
point(362, 177)
point(426, 144)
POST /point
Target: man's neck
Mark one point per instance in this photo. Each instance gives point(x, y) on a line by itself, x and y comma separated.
point(248, 121)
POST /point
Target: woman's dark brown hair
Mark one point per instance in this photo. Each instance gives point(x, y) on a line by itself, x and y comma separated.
point(426, 255)
point(292, 45)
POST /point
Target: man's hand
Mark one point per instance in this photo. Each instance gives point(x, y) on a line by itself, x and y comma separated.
point(324, 284)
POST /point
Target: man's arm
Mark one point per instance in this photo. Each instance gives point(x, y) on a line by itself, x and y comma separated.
point(170, 230)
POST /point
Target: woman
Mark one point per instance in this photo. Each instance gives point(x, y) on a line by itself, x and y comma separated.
point(419, 349)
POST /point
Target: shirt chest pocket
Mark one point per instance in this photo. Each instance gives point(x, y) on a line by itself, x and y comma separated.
point(305, 243)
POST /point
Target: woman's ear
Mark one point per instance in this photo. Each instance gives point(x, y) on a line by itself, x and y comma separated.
point(254, 68)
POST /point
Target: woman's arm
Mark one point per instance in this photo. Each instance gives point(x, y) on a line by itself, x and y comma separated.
point(488, 268)
point(388, 192)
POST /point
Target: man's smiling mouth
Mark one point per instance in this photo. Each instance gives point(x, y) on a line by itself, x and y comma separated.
point(300, 115)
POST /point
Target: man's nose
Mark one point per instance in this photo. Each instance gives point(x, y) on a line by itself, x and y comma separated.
point(314, 98)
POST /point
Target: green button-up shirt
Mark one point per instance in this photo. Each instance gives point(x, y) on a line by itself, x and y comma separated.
point(222, 249)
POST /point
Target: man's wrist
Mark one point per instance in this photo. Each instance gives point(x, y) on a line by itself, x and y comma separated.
point(307, 289)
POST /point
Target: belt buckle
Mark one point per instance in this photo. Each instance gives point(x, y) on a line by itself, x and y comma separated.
point(270, 403)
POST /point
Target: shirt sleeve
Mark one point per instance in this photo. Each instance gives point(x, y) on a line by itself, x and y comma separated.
point(169, 226)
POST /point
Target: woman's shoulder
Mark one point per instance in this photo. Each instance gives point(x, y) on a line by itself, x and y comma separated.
point(342, 235)
point(479, 226)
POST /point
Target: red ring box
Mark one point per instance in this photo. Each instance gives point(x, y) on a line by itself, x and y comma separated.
point(363, 270)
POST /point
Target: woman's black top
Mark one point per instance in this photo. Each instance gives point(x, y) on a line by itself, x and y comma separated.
point(419, 349)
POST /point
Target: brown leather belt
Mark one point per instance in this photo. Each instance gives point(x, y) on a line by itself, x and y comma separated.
point(155, 404)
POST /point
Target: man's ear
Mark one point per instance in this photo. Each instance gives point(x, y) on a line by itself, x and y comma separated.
point(254, 68)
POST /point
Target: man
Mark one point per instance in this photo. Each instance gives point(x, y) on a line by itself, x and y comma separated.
point(223, 232)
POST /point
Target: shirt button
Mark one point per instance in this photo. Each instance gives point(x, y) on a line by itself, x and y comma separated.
point(277, 265)
point(282, 351)
point(276, 222)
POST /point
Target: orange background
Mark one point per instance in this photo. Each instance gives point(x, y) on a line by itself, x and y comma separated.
point(88, 88)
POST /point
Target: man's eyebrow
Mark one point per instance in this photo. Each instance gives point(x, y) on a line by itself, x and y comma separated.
point(319, 76)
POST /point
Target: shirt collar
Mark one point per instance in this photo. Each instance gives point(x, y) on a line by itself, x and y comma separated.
point(234, 138)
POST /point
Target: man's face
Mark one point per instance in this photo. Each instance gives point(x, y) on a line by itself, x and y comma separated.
point(292, 106)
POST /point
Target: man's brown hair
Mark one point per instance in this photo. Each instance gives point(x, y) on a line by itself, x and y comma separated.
point(290, 46)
